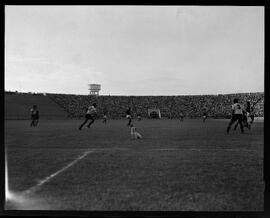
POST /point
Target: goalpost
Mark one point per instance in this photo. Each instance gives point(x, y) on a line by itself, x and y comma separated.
point(154, 113)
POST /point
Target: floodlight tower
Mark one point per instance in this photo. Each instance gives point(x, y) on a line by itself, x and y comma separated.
point(94, 89)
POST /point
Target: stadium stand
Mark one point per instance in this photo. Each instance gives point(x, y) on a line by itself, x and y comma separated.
point(216, 106)
point(52, 106)
point(18, 105)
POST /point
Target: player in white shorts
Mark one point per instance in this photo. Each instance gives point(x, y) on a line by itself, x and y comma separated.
point(90, 115)
point(237, 115)
point(133, 133)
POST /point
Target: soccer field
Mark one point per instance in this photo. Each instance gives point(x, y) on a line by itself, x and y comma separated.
point(177, 166)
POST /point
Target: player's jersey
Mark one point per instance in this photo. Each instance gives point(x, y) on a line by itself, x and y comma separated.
point(91, 110)
point(237, 108)
point(34, 112)
point(248, 109)
point(128, 112)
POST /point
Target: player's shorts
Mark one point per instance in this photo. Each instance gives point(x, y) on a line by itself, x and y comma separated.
point(34, 117)
point(204, 117)
point(105, 117)
point(237, 117)
point(128, 116)
point(89, 116)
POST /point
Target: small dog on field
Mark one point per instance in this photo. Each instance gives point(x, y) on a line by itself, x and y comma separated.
point(133, 133)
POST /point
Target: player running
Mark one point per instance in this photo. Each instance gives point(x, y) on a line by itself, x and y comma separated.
point(128, 116)
point(34, 116)
point(90, 115)
point(237, 115)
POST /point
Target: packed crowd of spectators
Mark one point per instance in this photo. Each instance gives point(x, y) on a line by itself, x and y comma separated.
point(216, 106)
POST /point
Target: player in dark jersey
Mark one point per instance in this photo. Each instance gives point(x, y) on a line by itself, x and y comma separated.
point(246, 114)
point(204, 116)
point(250, 111)
point(34, 116)
point(105, 117)
point(128, 116)
point(90, 115)
point(237, 115)
point(252, 116)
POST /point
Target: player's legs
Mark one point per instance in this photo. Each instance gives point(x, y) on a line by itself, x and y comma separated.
point(138, 135)
point(92, 121)
point(32, 122)
point(132, 135)
point(233, 119)
point(36, 122)
point(240, 120)
point(235, 126)
point(252, 118)
point(245, 122)
point(85, 121)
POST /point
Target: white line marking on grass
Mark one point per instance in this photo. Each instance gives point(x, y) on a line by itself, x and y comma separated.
point(48, 178)
point(109, 149)
point(204, 149)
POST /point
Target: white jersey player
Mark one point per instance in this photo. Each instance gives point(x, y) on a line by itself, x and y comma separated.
point(90, 115)
point(133, 133)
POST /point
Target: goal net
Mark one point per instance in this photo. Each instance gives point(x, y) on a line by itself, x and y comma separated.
point(154, 113)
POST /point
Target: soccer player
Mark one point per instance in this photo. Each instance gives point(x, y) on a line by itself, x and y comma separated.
point(251, 115)
point(139, 117)
point(250, 111)
point(128, 116)
point(245, 121)
point(181, 116)
point(34, 116)
point(90, 115)
point(237, 115)
point(133, 133)
point(246, 114)
point(204, 116)
point(105, 117)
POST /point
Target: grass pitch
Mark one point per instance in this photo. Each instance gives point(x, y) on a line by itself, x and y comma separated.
point(177, 166)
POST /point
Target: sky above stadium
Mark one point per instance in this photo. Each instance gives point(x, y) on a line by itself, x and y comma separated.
point(134, 50)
